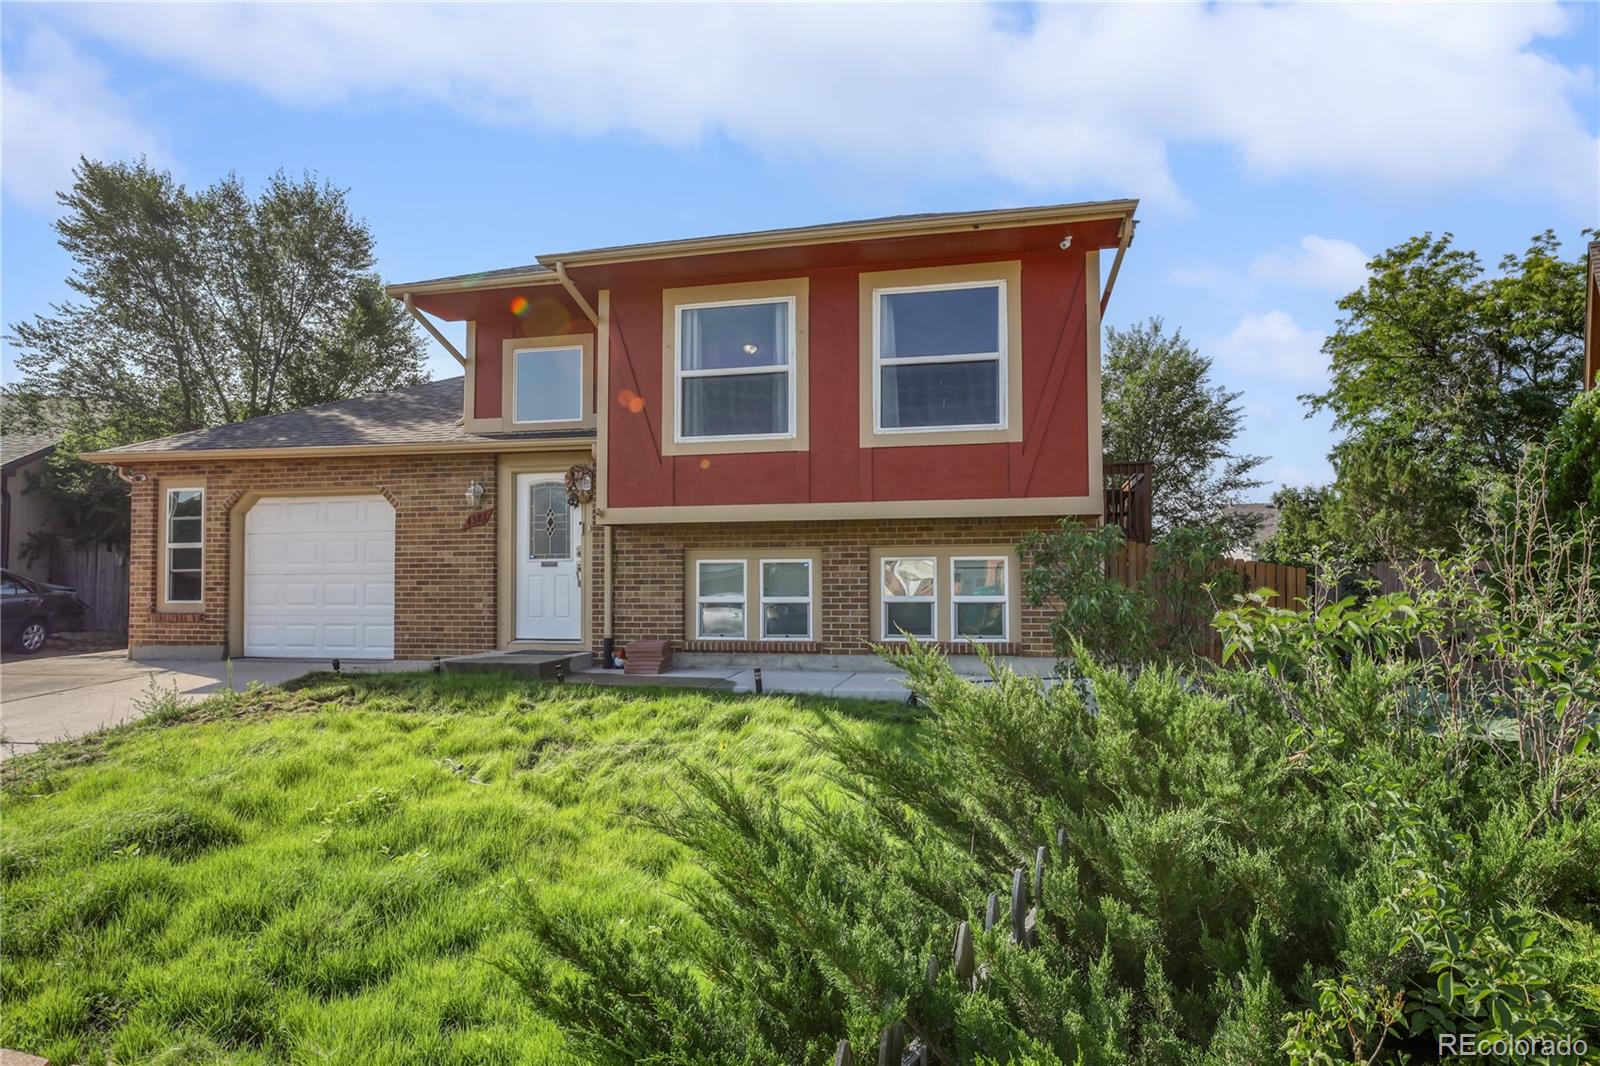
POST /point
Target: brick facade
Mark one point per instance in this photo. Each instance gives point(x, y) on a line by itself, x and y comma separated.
point(445, 576)
point(650, 590)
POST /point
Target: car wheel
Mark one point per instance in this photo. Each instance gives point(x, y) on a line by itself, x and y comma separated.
point(31, 637)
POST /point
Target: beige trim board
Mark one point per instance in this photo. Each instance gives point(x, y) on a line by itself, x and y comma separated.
point(1092, 404)
point(943, 614)
point(1007, 271)
point(207, 516)
point(417, 448)
point(505, 547)
point(837, 232)
point(603, 401)
point(584, 342)
point(796, 289)
point(471, 282)
point(996, 507)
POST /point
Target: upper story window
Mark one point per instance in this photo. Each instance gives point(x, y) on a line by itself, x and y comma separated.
point(548, 382)
point(549, 386)
point(735, 373)
point(733, 367)
point(183, 551)
point(940, 357)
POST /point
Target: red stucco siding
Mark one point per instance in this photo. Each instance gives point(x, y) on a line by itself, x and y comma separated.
point(1051, 461)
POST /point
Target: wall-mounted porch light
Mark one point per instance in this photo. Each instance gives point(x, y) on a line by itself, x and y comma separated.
point(474, 495)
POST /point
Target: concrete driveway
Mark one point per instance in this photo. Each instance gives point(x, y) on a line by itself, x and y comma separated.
point(52, 697)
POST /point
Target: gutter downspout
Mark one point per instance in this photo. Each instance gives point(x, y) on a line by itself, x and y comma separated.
point(605, 622)
point(431, 328)
point(1126, 239)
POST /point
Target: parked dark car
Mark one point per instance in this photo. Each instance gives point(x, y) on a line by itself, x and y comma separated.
point(31, 610)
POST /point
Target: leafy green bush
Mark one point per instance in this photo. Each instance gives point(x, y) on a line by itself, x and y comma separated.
point(1166, 612)
point(1240, 883)
point(1574, 457)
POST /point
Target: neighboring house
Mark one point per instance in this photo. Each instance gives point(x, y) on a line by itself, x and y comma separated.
point(799, 441)
point(22, 512)
point(1591, 322)
point(1266, 526)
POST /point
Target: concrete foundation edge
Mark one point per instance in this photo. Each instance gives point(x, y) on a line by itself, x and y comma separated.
point(210, 652)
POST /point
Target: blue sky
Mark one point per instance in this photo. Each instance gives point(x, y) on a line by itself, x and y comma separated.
point(1274, 148)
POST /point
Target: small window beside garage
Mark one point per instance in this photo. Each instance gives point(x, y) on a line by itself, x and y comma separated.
point(183, 557)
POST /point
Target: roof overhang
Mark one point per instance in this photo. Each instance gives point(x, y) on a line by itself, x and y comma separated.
point(838, 232)
point(521, 444)
point(865, 244)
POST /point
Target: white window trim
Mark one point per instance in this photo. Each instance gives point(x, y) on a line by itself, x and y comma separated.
point(807, 599)
point(516, 369)
point(166, 553)
point(679, 373)
point(743, 599)
point(891, 633)
point(1000, 358)
point(1004, 600)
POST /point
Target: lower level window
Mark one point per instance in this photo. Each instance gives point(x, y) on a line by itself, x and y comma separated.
point(978, 598)
point(785, 599)
point(908, 592)
point(185, 553)
point(719, 599)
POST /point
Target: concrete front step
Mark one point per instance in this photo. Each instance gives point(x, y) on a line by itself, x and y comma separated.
point(543, 665)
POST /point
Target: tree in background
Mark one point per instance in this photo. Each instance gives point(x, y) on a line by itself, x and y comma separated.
point(197, 309)
point(1440, 376)
point(1574, 473)
point(1158, 404)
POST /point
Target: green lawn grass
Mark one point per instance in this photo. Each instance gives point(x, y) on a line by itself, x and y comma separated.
point(324, 874)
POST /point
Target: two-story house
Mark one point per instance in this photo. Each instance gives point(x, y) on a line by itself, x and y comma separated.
point(795, 441)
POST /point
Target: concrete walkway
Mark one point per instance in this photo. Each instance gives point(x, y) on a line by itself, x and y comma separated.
point(53, 697)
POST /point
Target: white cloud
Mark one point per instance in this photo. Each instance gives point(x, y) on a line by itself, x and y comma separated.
point(1317, 262)
point(1271, 345)
point(1084, 99)
point(55, 105)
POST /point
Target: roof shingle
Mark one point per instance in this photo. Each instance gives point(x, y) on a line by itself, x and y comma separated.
point(421, 415)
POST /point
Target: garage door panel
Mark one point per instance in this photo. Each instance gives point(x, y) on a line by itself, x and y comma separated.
point(319, 578)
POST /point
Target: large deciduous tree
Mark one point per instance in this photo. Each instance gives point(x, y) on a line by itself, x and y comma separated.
point(1439, 377)
point(198, 308)
point(1158, 404)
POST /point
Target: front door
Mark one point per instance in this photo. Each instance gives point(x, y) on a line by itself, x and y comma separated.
point(549, 540)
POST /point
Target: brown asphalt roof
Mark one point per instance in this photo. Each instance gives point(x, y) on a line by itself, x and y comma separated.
point(426, 414)
point(800, 234)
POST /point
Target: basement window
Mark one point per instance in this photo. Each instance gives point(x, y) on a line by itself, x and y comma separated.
point(908, 595)
point(719, 599)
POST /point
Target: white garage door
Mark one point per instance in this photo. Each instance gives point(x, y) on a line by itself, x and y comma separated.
point(319, 578)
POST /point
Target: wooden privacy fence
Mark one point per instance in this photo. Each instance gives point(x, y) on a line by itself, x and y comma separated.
point(100, 575)
point(1128, 498)
point(1289, 584)
point(1021, 917)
